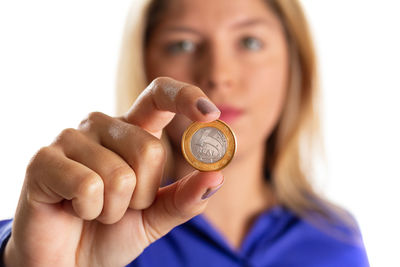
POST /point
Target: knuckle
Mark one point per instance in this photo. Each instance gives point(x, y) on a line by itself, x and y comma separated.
point(94, 116)
point(67, 136)
point(122, 178)
point(91, 185)
point(153, 151)
point(159, 81)
point(178, 209)
point(42, 155)
point(172, 208)
point(90, 119)
point(151, 232)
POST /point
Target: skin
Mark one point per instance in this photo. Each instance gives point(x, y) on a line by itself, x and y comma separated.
point(250, 77)
point(96, 188)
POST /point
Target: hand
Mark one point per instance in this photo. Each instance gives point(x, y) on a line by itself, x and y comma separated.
point(92, 197)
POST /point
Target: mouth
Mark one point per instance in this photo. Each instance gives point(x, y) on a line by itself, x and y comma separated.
point(229, 114)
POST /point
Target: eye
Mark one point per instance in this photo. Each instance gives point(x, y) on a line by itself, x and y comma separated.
point(251, 43)
point(184, 46)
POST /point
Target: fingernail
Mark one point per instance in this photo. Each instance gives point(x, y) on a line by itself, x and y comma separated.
point(206, 107)
point(210, 191)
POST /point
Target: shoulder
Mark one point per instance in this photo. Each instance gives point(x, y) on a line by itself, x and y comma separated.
point(5, 229)
point(277, 238)
point(321, 241)
point(5, 233)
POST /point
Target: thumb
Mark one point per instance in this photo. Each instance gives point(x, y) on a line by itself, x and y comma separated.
point(179, 202)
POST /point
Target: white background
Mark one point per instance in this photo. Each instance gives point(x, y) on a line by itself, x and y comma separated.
point(58, 61)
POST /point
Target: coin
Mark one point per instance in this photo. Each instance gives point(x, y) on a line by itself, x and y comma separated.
point(208, 146)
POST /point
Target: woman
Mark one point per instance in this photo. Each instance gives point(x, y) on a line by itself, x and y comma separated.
point(93, 197)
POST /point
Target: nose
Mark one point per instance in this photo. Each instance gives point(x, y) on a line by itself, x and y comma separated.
point(216, 69)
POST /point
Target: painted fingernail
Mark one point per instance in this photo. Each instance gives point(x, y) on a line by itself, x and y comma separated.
point(206, 107)
point(210, 191)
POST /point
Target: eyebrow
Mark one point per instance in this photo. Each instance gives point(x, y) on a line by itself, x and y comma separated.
point(240, 24)
point(182, 29)
point(251, 22)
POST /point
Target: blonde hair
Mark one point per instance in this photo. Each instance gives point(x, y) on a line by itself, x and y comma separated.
point(289, 148)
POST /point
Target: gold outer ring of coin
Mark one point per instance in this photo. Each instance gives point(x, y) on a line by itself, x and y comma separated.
point(202, 166)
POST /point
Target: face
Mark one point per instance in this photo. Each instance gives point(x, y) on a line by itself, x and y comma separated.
point(236, 52)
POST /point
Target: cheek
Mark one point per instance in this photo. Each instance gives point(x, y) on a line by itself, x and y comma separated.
point(270, 91)
point(266, 97)
point(157, 65)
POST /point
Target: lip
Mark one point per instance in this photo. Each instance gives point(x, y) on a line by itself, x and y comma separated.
point(229, 113)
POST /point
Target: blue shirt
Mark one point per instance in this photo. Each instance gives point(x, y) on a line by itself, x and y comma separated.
point(276, 238)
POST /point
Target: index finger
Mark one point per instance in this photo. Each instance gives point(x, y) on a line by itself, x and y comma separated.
point(163, 98)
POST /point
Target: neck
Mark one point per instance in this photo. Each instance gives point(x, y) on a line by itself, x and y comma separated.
point(244, 195)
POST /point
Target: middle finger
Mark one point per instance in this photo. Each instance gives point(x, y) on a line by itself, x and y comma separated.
point(143, 152)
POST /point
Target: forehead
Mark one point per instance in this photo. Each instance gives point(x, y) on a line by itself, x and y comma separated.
point(214, 14)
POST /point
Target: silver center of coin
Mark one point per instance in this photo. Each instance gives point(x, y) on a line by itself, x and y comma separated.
point(208, 144)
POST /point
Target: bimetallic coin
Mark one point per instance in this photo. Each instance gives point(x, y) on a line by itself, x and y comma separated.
point(208, 146)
